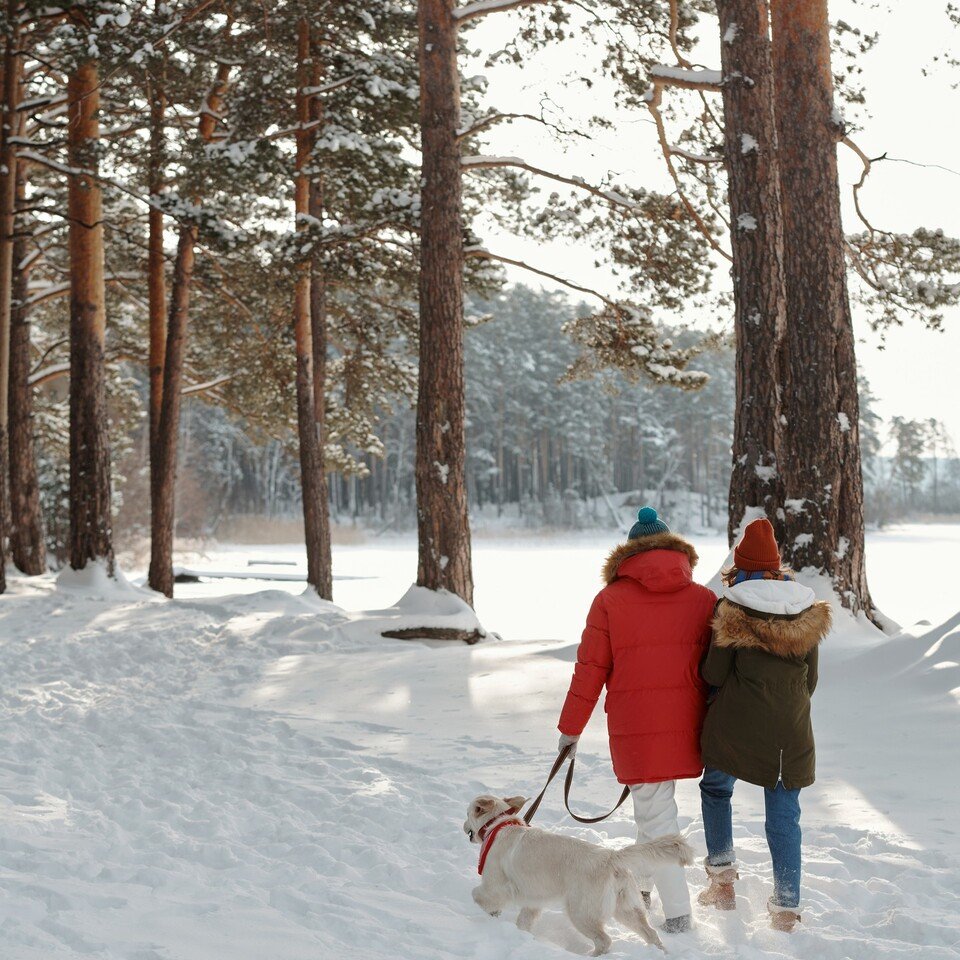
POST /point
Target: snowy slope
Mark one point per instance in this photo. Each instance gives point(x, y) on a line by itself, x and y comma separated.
point(251, 776)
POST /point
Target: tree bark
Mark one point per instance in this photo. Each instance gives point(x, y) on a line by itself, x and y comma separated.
point(318, 330)
point(164, 481)
point(8, 82)
point(156, 268)
point(759, 291)
point(27, 545)
point(823, 483)
point(91, 538)
point(312, 477)
point(164, 478)
point(318, 333)
point(442, 519)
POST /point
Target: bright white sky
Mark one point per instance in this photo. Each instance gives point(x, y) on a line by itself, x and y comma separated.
point(910, 115)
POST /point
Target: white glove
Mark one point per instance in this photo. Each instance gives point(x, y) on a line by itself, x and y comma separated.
point(566, 741)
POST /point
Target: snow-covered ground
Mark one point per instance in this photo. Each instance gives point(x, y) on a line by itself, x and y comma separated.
point(248, 773)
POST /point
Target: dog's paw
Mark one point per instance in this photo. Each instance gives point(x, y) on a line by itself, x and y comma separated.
point(485, 902)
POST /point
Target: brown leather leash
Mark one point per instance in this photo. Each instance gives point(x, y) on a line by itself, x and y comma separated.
point(567, 784)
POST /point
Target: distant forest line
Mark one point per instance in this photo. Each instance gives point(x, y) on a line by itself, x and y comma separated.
point(541, 450)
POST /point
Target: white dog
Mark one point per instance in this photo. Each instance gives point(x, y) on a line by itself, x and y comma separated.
point(531, 869)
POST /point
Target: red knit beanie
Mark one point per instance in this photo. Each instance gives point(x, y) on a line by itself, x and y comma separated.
point(758, 548)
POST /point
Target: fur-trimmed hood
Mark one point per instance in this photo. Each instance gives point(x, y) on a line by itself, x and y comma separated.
point(625, 552)
point(780, 617)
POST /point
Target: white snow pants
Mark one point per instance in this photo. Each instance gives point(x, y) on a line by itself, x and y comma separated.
point(655, 810)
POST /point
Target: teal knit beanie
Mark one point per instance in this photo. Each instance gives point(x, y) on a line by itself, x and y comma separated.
point(648, 523)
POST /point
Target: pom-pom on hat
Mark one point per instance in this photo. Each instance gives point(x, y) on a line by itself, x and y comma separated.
point(648, 523)
point(757, 550)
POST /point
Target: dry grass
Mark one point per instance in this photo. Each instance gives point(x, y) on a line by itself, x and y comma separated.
point(250, 528)
point(133, 549)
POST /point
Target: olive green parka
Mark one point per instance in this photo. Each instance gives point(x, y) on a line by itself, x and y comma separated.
point(765, 666)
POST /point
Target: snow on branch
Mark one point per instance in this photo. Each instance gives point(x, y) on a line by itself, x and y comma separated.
point(195, 388)
point(695, 157)
point(480, 8)
point(489, 163)
point(687, 78)
point(916, 273)
point(328, 87)
point(45, 375)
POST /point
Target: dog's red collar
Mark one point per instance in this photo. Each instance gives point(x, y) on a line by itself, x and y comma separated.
point(488, 838)
point(509, 812)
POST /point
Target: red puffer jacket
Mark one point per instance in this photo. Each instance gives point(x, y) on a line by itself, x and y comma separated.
point(647, 631)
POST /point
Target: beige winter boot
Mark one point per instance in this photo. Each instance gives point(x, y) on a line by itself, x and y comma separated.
point(783, 919)
point(720, 893)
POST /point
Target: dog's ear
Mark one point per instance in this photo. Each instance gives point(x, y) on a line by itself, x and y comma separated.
point(515, 802)
point(484, 804)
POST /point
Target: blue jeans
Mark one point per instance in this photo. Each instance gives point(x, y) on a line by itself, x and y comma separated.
point(782, 825)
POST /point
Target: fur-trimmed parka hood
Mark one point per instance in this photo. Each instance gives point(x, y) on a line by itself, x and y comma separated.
point(779, 617)
point(668, 575)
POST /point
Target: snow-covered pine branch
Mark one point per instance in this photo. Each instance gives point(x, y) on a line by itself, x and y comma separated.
point(329, 87)
point(195, 388)
point(624, 337)
point(481, 8)
point(46, 374)
point(694, 157)
point(688, 78)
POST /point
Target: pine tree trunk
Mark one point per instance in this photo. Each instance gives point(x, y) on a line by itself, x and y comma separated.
point(26, 534)
point(759, 290)
point(163, 486)
point(91, 537)
point(9, 79)
point(442, 520)
point(164, 463)
point(156, 269)
point(313, 478)
point(318, 332)
point(823, 484)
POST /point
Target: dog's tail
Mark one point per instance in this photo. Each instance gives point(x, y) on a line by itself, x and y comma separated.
point(640, 857)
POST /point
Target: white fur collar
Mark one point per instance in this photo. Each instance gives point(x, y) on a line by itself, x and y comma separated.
point(784, 597)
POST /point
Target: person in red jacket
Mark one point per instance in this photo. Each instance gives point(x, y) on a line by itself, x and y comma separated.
point(647, 631)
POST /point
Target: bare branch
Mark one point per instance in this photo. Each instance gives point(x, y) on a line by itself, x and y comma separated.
point(674, 27)
point(916, 163)
point(867, 166)
point(653, 105)
point(482, 254)
point(488, 122)
point(52, 291)
point(489, 163)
